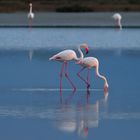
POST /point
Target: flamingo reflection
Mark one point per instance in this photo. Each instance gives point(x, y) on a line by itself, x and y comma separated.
point(30, 54)
point(82, 117)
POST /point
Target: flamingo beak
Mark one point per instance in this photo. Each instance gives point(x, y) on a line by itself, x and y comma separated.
point(86, 50)
point(105, 89)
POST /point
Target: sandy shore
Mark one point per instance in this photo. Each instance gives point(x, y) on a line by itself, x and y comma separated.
point(51, 19)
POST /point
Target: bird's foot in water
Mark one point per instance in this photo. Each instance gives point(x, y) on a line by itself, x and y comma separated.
point(74, 89)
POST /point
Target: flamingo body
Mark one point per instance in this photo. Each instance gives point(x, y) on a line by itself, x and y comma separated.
point(65, 55)
point(31, 15)
point(117, 17)
point(88, 62)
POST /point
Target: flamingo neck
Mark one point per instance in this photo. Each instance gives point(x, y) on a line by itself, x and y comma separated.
point(81, 53)
point(101, 76)
point(30, 9)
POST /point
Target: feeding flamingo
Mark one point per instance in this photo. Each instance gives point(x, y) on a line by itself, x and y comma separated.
point(117, 17)
point(30, 15)
point(65, 56)
point(91, 62)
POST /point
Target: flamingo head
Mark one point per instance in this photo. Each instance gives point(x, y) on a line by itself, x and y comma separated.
point(106, 86)
point(85, 46)
point(30, 4)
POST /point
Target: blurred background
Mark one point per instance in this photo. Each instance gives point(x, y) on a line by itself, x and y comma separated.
point(70, 5)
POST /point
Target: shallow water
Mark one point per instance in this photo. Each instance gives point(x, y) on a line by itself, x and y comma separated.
point(30, 103)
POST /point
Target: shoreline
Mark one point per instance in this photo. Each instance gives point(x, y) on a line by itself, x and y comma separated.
point(86, 20)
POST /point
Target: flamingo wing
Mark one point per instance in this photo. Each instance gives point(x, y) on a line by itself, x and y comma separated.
point(65, 55)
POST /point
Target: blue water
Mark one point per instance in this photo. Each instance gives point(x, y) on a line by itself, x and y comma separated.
point(30, 103)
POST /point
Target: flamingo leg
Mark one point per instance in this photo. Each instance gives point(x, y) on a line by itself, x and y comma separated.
point(67, 76)
point(78, 74)
point(88, 74)
point(88, 92)
point(61, 75)
point(30, 23)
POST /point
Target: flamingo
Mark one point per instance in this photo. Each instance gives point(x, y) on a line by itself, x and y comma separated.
point(91, 62)
point(117, 17)
point(65, 56)
point(30, 15)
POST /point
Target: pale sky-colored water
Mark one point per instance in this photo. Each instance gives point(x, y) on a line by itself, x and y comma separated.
point(59, 38)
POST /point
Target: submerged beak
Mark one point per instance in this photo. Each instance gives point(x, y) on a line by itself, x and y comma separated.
point(86, 50)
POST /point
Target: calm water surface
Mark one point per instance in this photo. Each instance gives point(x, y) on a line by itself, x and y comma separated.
point(30, 103)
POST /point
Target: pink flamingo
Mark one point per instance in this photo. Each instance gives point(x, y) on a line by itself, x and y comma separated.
point(30, 15)
point(65, 56)
point(91, 62)
point(117, 17)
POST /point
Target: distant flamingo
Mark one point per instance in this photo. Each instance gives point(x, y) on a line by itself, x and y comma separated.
point(30, 15)
point(65, 56)
point(91, 62)
point(117, 17)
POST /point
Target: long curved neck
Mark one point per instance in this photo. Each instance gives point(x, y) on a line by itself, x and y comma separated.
point(99, 75)
point(30, 9)
point(81, 54)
